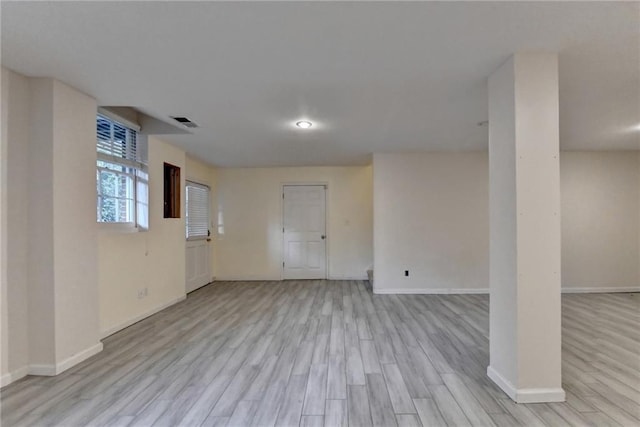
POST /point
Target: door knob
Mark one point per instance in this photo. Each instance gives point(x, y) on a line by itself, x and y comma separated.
point(323, 237)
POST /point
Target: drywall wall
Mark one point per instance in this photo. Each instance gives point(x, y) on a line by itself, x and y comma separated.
point(524, 272)
point(62, 238)
point(5, 376)
point(431, 218)
point(41, 288)
point(155, 259)
point(248, 242)
point(15, 128)
point(600, 193)
point(203, 173)
point(51, 289)
point(600, 219)
point(74, 215)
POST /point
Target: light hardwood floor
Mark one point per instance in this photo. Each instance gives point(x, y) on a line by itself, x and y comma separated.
point(315, 353)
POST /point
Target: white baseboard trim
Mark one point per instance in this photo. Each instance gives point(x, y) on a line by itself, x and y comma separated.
point(50, 370)
point(502, 382)
point(42, 370)
point(526, 395)
point(279, 279)
point(58, 368)
point(78, 357)
point(140, 317)
point(540, 395)
point(600, 290)
point(363, 277)
point(249, 278)
point(428, 291)
point(15, 375)
point(445, 291)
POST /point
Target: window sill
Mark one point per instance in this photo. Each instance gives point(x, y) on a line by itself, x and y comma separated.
point(119, 227)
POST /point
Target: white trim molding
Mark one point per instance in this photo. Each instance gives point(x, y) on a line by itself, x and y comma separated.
point(248, 278)
point(258, 278)
point(77, 358)
point(42, 370)
point(50, 370)
point(15, 375)
point(69, 362)
point(445, 291)
point(526, 395)
point(429, 291)
point(142, 316)
point(600, 290)
point(540, 395)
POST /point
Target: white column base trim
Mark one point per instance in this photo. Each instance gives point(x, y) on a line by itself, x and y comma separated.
point(429, 291)
point(58, 368)
point(526, 395)
point(444, 291)
point(249, 278)
point(78, 357)
point(600, 290)
point(362, 277)
point(15, 375)
point(140, 317)
point(42, 370)
point(50, 370)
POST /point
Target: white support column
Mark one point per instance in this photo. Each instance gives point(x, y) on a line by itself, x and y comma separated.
point(525, 340)
point(63, 301)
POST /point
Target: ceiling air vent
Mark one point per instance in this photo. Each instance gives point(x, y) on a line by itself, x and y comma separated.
point(185, 122)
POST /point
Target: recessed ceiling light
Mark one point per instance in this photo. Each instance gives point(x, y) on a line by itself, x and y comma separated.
point(304, 124)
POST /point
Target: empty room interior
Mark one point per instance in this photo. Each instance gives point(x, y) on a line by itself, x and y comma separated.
point(320, 213)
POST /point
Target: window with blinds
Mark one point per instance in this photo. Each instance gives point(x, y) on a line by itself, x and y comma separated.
point(121, 175)
point(197, 218)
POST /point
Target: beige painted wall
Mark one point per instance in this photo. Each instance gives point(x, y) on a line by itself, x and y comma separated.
point(155, 259)
point(74, 214)
point(15, 135)
point(600, 193)
point(51, 291)
point(431, 218)
point(524, 271)
point(600, 219)
point(250, 201)
point(41, 289)
point(4, 330)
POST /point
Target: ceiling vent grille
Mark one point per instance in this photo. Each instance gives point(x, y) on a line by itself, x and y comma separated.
point(185, 122)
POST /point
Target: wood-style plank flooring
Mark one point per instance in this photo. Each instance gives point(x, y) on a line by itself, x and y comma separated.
point(314, 353)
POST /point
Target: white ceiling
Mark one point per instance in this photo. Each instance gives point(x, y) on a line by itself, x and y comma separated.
point(374, 77)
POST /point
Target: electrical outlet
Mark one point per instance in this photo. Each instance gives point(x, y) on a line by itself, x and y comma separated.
point(143, 293)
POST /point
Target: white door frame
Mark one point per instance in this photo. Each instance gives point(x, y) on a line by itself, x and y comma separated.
point(326, 222)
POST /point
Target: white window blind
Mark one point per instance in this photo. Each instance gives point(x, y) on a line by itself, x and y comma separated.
point(119, 144)
point(197, 211)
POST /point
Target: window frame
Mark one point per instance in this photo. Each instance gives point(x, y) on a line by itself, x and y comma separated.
point(131, 169)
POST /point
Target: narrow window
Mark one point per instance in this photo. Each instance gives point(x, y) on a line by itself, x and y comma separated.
point(121, 175)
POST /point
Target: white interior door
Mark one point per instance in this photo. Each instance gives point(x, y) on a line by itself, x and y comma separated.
point(304, 232)
point(198, 257)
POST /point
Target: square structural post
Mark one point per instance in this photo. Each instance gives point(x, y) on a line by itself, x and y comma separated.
point(524, 176)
